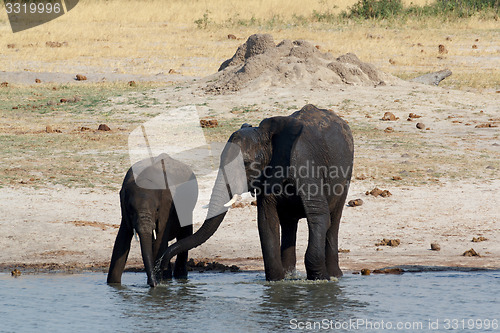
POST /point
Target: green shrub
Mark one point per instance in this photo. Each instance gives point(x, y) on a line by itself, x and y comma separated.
point(459, 8)
point(379, 9)
point(383, 9)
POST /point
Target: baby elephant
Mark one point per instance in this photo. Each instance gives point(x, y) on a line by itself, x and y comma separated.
point(157, 201)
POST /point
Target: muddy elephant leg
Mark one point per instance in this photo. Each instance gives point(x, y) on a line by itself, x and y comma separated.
point(119, 257)
point(268, 223)
point(180, 268)
point(318, 222)
point(315, 260)
point(288, 242)
point(332, 245)
point(163, 267)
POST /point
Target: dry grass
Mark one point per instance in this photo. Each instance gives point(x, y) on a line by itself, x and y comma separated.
point(104, 37)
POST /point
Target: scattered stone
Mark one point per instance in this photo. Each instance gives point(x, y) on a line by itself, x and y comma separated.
point(84, 129)
point(471, 253)
point(413, 115)
point(376, 192)
point(209, 123)
point(432, 78)
point(392, 61)
point(435, 247)
point(344, 251)
point(389, 116)
point(38, 81)
point(370, 36)
point(389, 242)
point(486, 125)
point(474, 46)
point(389, 130)
point(203, 266)
point(15, 107)
point(396, 270)
point(132, 83)
point(11, 46)
point(103, 127)
point(396, 178)
point(16, 273)
point(80, 77)
point(49, 129)
point(4, 84)
point(479, 239)
point(420, 125)
point(240, 204)
point(361, 177)
point(172, 71)
point(56, 44)
point(73, 99)
point(231, 36)
point(448, 38)
point(355, 203)
point(365, 271)
point(442, 49)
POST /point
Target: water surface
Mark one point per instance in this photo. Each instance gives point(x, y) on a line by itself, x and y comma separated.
point(244, 302)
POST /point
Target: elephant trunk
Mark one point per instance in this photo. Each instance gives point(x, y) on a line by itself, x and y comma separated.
point(147, 257)
point(221, 194)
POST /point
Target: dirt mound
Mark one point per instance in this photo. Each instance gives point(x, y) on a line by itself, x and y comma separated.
point(259, 62)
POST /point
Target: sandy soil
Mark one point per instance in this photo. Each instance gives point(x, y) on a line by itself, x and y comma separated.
point(55, 227)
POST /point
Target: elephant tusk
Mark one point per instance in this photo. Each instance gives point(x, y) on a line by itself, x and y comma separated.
point(135, 235)
point(205, 206)
point(154, 234)
point(232, 201)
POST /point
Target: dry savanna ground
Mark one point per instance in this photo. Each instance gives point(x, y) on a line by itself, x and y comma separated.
point(59, 174)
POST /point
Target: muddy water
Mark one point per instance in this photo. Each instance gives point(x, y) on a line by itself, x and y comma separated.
point(244, 302)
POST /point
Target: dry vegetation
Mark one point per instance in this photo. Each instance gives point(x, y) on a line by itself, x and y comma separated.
point(150, 37)
point(191, 37)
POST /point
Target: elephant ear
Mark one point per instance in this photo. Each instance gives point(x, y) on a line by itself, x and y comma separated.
point(283, 133)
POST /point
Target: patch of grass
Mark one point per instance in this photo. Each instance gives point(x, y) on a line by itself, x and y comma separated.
point(375, 9)
point(29, 156)
point(389, 9)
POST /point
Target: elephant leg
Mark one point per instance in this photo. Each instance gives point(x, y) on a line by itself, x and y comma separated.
point(269, 233)
point(318, 221)
point(332, 239)
point(119, 257)
point(180, 268)
point(288, 242)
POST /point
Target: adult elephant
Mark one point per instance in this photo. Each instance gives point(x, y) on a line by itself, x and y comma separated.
point(157, 199)
point(298, 166)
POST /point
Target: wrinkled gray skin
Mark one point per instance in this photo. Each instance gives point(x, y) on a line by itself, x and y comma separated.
point(146, 208)
point(309, 137)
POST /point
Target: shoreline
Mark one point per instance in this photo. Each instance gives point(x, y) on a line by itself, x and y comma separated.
point(51, 268)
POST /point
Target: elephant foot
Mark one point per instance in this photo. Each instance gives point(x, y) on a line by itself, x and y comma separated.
point(166, 274)
point(317, 276)
point(275, 275)
point(336, 272)
point(152, 282)
point(180, 273)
